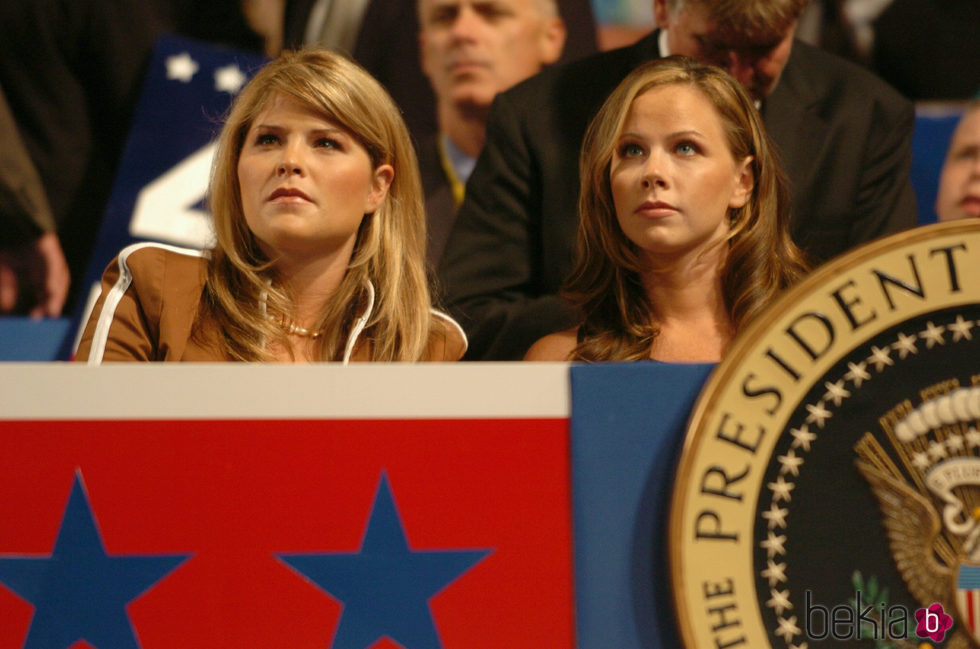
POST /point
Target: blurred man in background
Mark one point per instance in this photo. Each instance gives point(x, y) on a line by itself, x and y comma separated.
point(470, 51)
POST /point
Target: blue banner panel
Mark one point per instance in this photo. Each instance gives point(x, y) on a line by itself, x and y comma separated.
point(934, 126)
point(24, 339)
point(159, 192)
point(628, 423)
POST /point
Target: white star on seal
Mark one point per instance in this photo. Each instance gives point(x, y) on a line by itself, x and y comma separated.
point(857, 374)
point(802, 437)
point(790, 463)
point(973, 437)
point(955, 443)
point(229, 78)
point(779, 601)
point(780, 489)
point(776, 516)
point(835, 392)
point(774, 572)
point(937, 450)
point(788, 629)
point(961, 329)
point(880, 358)
point(773, 544)
point(181, 67)
point(818, 414)
point(905, 345)
point(933, 335)
point(921, 461)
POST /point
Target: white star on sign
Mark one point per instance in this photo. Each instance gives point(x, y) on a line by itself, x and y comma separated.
point(921, 461)
point(973, 437)
point(774, 572)
point(933, 335)
point(961, 329)
point(181, 67)
point(955, 443)
point(905, 345)
point(773, 544)
point(818, 414)
point(802, 437)
point(776, 516)
point(779, 601)
point(790, 463)
point(880, 358)
point(858, 373)
point(836, 392)
point(937, 450)
point(780, 489)
point(788, 629)
point(229, 78)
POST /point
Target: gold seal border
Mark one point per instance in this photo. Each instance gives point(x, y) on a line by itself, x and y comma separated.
point(715, 597)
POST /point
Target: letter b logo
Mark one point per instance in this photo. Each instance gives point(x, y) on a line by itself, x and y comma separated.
point(932, 622)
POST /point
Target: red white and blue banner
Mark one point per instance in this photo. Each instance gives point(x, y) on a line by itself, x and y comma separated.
point(361, 507)
point(248, 506)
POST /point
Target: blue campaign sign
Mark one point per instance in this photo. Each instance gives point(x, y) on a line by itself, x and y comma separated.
point(162, 179)
point(628, 424)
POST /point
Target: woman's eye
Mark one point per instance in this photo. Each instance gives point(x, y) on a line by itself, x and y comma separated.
point(687, 148)
point(327, 143)
point(265, 139)
point(630, 150)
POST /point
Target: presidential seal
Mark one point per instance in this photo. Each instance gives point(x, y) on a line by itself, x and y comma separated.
point(828, 492)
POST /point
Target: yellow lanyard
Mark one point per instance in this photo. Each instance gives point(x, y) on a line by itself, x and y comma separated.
point(457, 186)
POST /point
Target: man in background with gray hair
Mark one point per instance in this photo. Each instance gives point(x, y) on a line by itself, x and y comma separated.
point(470, 51)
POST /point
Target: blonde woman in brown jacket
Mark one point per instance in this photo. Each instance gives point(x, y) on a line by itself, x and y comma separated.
point(320, 238)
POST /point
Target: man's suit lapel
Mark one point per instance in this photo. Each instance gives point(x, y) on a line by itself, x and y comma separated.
point(793, 123)
point(439, 206)
point(646, 49)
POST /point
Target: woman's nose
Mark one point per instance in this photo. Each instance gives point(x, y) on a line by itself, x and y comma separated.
point(291, 161)
point(653, 173)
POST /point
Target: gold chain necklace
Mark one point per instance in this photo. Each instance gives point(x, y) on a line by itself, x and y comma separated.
point(295, 330)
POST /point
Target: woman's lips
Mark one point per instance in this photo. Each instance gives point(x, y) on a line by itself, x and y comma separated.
point(288, 195)
point(655, 209)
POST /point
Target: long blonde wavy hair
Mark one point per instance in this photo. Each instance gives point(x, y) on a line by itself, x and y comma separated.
point(389, 251)
point(605, 282)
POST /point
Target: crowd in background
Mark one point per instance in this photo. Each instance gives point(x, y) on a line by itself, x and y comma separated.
point(70, 76)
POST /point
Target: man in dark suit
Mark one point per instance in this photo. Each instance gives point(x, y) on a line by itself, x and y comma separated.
point(386, 44)
point(470, 51)
point(844, 137)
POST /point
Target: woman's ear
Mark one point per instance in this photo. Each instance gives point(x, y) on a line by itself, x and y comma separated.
point(744, 184)
point(383, 176)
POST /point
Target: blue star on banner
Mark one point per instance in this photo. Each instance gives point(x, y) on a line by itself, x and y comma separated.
point(385, 588)
point(80, 592)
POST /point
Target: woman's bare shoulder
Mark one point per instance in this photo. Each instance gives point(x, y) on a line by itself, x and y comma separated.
point(553, 347)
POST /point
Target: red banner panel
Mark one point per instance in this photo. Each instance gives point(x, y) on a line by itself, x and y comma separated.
point(285, 533)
